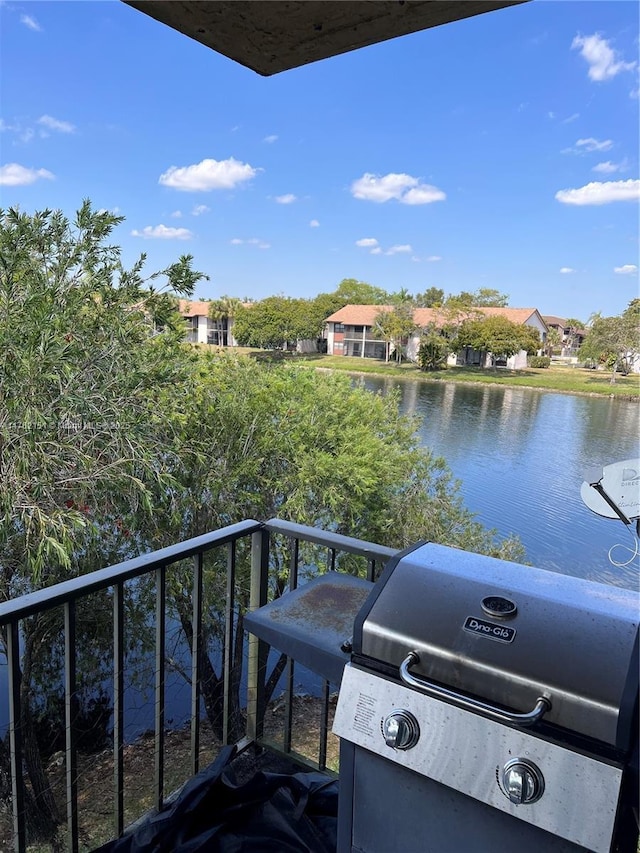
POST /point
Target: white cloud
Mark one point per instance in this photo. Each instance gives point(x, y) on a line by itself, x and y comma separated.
point(601, 193)
point(376, 251)
point(608, 167)
point(589, 145)
point(434, 258)
point(56, 124)
point(367, 242)
point(15, 175)
point(199, 209)
point(404, 188)
point(30, 21)
point(395, 250)
point(602, 59)
point(314, 224)
point(254, 241)
point(24, 134)
point(627, 269)
point(287, 198)
point(571, 118)
point(208, 175)
point(551, 114)
point(162, 232)
point(566, 270)
point(270, 139)
point(177, 214)
point(423, 194)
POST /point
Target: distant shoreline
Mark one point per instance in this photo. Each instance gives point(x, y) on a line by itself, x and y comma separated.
point(424, 377)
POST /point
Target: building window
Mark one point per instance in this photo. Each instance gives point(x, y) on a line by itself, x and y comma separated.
point(338, 327)
point(358, 330)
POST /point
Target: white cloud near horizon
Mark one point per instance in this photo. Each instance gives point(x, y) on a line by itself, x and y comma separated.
point(399, 186)
point(199, 209)
point(162, 232)
point(208, 175)
point(177, 214)
point(287, 198)
point(376, 251)
point(15, 175)
point(56, 124)
point(434, 258)
point(604, 62)
point(601, 193)
point(314, 224)
point(608, 167)
point(567, 270)
point(626, 269)
point(30, 22)
point(367, 242)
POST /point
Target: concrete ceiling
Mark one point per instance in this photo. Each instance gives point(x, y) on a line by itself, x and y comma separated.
point(270, 36)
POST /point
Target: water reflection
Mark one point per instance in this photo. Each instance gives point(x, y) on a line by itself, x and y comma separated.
point(521, 456)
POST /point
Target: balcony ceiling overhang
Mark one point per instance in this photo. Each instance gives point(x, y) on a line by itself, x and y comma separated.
point(270, 36)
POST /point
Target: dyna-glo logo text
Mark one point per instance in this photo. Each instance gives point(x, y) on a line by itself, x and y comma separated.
point(489, 629)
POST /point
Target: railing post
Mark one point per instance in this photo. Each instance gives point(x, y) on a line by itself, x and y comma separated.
point(15, 736)
point(118, 707)
point(158, 785)
point(228, 648)
point(71, 713)
point(196, 651)
point(257, 649)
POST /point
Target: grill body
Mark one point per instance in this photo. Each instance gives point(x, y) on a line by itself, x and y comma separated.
point(488, 703)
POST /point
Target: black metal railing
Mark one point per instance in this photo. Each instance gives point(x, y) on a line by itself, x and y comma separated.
point(268, 543)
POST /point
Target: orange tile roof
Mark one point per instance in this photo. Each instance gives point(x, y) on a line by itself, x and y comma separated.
point(193, 309)
point(364, 315)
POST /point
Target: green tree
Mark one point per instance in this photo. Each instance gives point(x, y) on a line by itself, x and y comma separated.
point(223, 311)
point(614, 339)
point(434, 349)
point(489, 297)
point(273, 322)
point(356, 292)
point(394, 327)
point(553, 341)
point(433, 297)
point(83, 448)
point(484, 297)
point(572, 330)
point(498, 336)
point(401, 297)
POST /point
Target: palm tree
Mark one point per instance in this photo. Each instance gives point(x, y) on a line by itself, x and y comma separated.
point(553, 340)
point(222, 311)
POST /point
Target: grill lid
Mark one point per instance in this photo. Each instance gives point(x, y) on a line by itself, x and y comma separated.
point(507, 635)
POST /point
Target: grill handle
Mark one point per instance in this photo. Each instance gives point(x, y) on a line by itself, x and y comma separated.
point(541, 707)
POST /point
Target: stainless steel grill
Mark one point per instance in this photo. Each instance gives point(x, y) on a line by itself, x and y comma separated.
point(488, 703)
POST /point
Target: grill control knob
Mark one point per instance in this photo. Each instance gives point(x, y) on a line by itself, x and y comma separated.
point(401, 730)
point(522, 781)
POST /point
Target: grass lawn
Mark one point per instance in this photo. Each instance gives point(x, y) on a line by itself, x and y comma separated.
point(568, 379)
point(574, 380)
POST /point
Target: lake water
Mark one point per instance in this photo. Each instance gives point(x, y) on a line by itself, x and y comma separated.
point(521, 456)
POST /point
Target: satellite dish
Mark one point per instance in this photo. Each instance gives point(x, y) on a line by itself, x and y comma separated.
point(614, 490)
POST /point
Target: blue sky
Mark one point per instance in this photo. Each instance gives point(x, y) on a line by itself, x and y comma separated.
point(499, 151)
